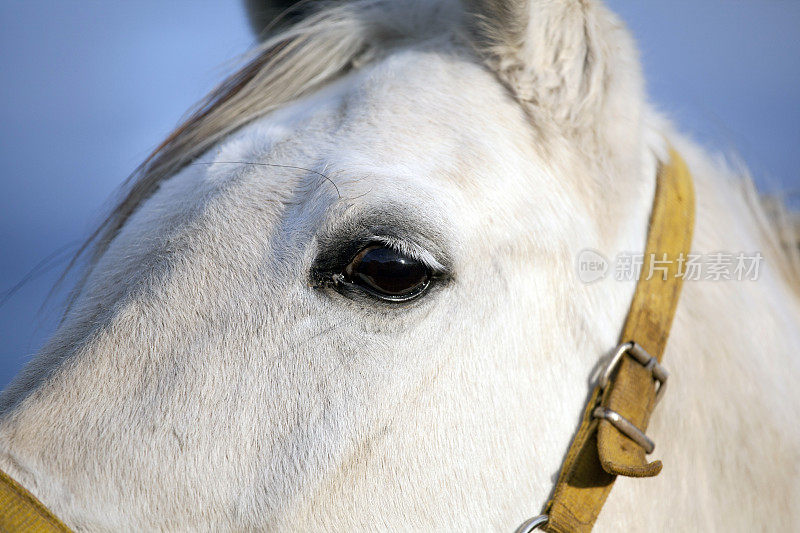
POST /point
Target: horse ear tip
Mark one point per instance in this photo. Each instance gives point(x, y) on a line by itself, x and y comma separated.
point(263, 14)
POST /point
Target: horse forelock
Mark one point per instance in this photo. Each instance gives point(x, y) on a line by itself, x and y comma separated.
point(295, 62)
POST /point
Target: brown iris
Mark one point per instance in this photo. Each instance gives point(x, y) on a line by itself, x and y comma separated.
point(388, 273)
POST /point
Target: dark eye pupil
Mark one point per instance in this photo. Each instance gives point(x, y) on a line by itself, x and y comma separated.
point(388, 272)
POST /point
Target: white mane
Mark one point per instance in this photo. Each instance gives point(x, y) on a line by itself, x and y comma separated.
point(203, 380)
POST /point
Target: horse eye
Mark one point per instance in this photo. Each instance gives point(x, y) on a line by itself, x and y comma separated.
point(388, 274)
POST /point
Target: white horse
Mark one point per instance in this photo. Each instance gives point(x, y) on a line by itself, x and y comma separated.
point(343, 296)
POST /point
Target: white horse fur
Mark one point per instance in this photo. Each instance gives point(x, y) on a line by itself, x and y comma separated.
point(200, 381)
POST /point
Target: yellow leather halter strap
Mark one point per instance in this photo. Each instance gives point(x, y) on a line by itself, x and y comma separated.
point(610, 440)
point(21, 511)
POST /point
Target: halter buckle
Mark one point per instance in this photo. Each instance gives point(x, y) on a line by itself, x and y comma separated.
point(641, 356)
point(659, 374)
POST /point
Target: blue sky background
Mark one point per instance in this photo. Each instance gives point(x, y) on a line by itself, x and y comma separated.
point(88, 88)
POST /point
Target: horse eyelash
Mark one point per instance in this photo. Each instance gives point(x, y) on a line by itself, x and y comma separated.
point(412, 251)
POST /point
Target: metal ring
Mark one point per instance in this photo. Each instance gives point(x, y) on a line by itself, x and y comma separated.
point(532, 524)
